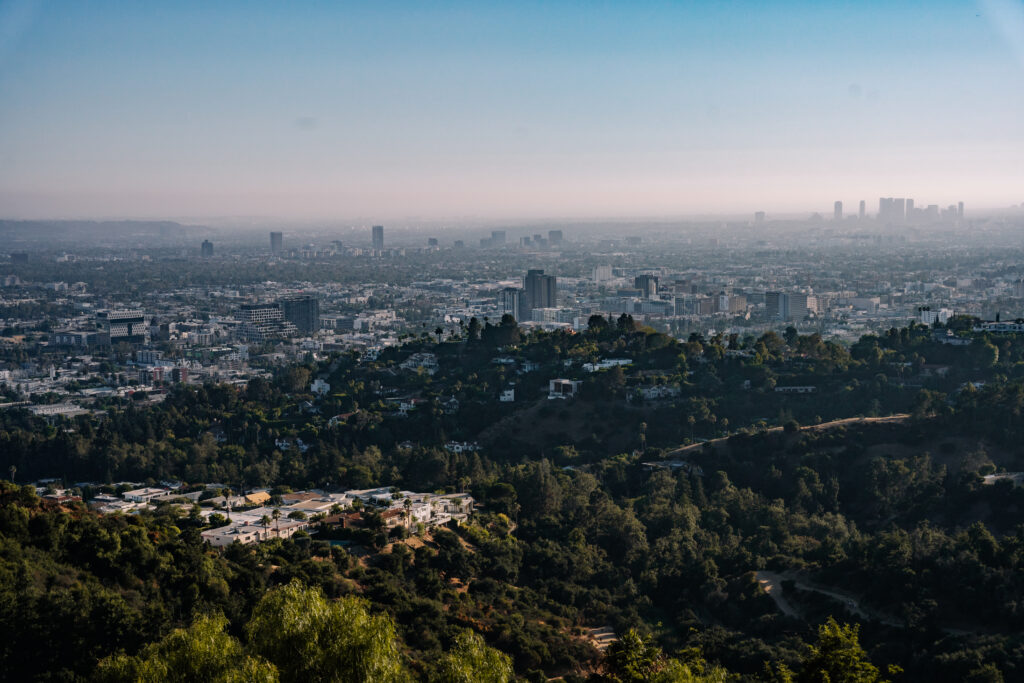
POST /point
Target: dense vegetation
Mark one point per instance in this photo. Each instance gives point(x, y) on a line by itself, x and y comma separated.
point(887, 524)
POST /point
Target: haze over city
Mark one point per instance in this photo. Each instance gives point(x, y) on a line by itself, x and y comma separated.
point(395, 111)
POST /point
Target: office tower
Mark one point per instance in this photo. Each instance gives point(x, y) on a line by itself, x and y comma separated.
point(910, 209)
point(862, 211)
point(602, 273)
point(899, 209)
point(497, 237)
point(511, 301)
point(773, 302)
point(540, 291)
point(647, 284)
point(459, 244)
point(837, 211)
point(798, 307)
point(759, 217)
point(127, 326)
point(893, 209)
point(378, 237)
point(432, 242)
point(884, 208)
point(207, 249)
point(554, 237)
point(303, 311)
point(960, 210)
point(276, 242)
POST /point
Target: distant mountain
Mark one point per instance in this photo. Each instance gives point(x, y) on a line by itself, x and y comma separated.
point(102, 231)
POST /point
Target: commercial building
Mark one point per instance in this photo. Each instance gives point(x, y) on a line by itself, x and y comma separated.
point(511, 301)
point(127, 326)
point(377, 233)
point(276, 242)
point(207, 249)
point(540, 291)
point(261, 322)
point(303, 311)
point(647, 284)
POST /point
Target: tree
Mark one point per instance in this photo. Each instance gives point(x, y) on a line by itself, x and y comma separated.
point(470, 660)
point(276, 514)
point(201, 652)
point(597, 323)
point(474, 329)
point(311, 638)
point(837, 657)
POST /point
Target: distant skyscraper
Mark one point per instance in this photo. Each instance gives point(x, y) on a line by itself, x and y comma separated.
point(554, 237)
point(960, 210)
point(862, 211)
point(276, 242)
point(892, 209)
point(378, 237)
point(837, 211)
point(540, 291)
point(497, 237)
point(759, 217)
point(910, 210)
point(207, 249)
point(431, 241)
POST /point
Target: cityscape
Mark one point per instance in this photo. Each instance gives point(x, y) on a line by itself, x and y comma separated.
point(511, 342)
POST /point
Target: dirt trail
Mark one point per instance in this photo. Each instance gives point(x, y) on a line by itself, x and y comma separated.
point(685, 450)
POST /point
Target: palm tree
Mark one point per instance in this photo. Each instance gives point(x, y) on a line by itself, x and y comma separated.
point(265, 522)
point(276, 514)
point(407, 504)
point(438, 331)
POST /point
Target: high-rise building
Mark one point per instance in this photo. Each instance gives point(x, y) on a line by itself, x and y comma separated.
point(554, 237)
point(497, 238)
point(837, 211)
point(602, 274)
point(540, 291)
point(798, 306)
point(432, 242)
point(276, 242)
point(960, 210)
point(511, 301)
point(207, 249)
point(378, 237)
point(19, 257)
point(909, 209)
point(759, 216)
point(648, 284)
point(862, 211)
point(773, 302)
point(303, 311)
point(127, 326)
point(892, 209)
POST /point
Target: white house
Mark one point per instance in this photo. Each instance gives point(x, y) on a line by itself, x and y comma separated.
point(563, 388)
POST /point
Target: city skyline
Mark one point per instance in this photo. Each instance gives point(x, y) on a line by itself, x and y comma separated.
point(525, 111)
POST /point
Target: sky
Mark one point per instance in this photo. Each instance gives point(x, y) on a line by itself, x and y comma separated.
point(463, 110)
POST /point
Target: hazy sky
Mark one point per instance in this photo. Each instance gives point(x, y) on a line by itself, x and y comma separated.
point(518, 109)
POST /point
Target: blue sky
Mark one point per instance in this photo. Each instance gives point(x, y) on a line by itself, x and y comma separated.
point(344, 110)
